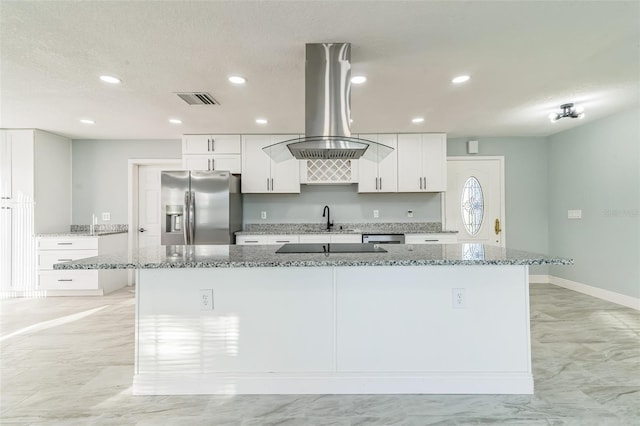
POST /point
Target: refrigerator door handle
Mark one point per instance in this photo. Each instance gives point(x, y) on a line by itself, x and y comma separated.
point(187, 223)
point(192, 217)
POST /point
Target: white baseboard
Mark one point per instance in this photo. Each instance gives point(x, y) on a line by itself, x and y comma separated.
point(609, 296)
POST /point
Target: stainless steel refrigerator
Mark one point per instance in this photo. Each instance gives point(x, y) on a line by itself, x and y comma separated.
point(200, 207)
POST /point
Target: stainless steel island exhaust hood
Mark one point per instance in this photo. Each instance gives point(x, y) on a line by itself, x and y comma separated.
point(328, 111)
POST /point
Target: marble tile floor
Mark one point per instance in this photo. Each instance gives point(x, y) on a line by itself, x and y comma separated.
point(69, 361)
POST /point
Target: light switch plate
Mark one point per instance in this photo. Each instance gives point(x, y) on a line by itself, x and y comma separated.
point(376, 213)
point(206, 299)
point(106, 216)
point(574, 214)
point(263, 214)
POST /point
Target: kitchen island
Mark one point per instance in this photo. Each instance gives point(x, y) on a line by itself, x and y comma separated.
point(246, 320)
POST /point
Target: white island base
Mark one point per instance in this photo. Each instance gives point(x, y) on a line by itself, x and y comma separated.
point(333, 330)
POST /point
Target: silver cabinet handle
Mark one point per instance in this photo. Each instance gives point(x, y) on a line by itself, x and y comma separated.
point(283, 241)
point(380, 184)
point(65, 244)
point(250, 241)
point(213, 164)
point(65, 260)
point(420, 183)
point(267, 184)
point(376, 184)
point(213, 144)
point(272, 184)
point(431, 241)
point(208, 144)
point(65, 279)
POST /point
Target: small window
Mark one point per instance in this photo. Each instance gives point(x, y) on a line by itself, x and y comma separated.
point(472, 251)
point(472, 205)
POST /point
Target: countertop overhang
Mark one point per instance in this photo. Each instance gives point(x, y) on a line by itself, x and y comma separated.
point(243, 256)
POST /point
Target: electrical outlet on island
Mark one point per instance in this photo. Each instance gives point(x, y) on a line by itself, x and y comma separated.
point(263, 215)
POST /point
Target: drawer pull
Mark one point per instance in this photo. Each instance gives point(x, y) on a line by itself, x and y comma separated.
point(65, 260)
point(283, 241)
point(65, 244)
point(65, 279)
point(431, 241)
point(251, 241)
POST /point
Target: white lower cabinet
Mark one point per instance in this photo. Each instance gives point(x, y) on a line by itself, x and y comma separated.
point(56, 249)
point(266, 239)
point(298, 238)
point(430, 238)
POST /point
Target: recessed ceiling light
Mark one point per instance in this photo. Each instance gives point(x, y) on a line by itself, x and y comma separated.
point(109, 79)
point(261, 121)
point(87, 121)
point(460, 79)
point(175, 121)
point(236, 79)
point(417, 120)
point(358, 79)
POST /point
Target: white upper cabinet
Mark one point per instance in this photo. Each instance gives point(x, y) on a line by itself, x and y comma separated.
point(212, 152)
point(260, 174)
point(422, 163)
point(211, 144)
point(379, 176)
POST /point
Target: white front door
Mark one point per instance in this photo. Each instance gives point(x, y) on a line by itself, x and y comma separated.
point(474, 201)
point(149, 209)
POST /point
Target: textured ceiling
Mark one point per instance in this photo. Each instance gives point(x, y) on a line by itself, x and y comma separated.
point(525, 59)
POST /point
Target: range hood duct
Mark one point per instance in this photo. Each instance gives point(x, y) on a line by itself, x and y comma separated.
point(328, 111)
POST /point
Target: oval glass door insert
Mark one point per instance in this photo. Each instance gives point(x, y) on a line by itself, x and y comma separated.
point(472, 205)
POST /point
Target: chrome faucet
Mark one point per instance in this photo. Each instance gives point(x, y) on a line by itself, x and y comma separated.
point(326, 212)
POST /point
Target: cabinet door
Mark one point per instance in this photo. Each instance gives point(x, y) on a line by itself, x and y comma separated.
point(256, 164)
point(388, 167)
point(410, 163)
point(368, 169)
point(207, 144)
point(285, 175)
point(230, 162)
point(434, 162)
point(196, 162)
point(196, 144)
point(226, 144)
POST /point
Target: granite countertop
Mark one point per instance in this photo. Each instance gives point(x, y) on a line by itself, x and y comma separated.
point(345, 228)
point(79, 234)
point(241, 256)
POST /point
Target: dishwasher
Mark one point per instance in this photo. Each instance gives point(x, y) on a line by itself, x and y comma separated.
point(383, 238)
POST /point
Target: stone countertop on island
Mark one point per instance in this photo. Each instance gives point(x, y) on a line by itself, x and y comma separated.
point(240, 256)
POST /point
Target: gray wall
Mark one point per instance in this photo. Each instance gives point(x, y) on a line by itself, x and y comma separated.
point(525, 187)
point(596, 168)
point(100, 174)
point(345, 203)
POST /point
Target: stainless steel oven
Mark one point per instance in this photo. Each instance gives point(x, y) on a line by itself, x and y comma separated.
point(383, 238)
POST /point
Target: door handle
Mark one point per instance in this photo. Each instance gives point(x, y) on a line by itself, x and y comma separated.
point(380, 184)
point(497, 227)
point(213, 146)
point(420, 183)
point(141, 230)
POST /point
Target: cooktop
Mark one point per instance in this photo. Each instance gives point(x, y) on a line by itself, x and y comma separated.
point(331, 248)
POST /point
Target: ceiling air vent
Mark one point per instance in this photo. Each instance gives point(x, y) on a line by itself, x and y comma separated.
point(197, 98)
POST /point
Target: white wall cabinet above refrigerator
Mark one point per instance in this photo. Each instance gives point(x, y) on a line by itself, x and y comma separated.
point(228, 162)
point(422, 162)
point(379, 176)
point(212, 152)
point(260, 174)
point(211, 144)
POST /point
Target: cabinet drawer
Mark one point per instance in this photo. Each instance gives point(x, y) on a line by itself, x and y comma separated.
point(68, 280)
point(47, 258)
point(251, 239)
point(68, 243)
point(430, 239)
point(282, 239)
